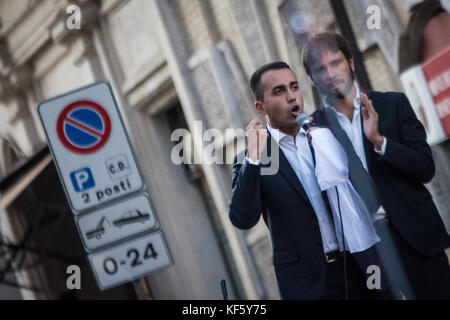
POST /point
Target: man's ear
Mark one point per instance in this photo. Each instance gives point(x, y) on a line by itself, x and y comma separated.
point(308, 73)
point(260, 107)
point(351, 64)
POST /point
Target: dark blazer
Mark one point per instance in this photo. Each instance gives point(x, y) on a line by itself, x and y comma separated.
point(400, 174)
point(298, 255)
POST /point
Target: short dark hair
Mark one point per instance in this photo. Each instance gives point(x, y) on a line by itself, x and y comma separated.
point(313, 48)
point(255, 81)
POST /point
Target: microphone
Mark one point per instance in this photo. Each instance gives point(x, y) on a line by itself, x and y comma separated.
point(303, 121)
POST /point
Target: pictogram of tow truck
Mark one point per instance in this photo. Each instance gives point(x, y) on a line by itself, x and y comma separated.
point(127, 218)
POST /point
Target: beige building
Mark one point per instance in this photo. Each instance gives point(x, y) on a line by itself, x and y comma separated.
point(172, 63)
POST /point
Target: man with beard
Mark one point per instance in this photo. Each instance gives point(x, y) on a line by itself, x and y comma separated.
point(382, 136)
point(306, 256)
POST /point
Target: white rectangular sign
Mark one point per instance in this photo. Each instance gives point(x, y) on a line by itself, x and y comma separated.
point(90, 146)
point(116, 222)
point(416, 89)
point(130, 261)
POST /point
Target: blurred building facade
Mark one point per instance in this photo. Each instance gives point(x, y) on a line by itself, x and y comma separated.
point(171, 63)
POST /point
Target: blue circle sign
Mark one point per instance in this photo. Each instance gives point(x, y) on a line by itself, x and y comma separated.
point(83, 127)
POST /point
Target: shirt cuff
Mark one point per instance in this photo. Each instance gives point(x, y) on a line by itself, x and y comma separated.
point(383, 148)
point(256, 163)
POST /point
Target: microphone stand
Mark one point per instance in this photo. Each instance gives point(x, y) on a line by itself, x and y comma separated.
point(343, 244)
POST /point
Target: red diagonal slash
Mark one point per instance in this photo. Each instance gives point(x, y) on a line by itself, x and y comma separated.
point(82, 126)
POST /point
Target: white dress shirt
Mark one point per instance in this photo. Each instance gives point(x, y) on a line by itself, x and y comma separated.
point(299, 156)
point(332, 175)
point(355, 134)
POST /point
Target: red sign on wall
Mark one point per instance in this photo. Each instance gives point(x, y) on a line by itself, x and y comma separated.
point(437, 74)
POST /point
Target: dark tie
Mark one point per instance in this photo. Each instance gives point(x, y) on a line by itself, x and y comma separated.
point(359, 177)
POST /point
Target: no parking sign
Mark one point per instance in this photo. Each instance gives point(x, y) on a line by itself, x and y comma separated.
point(83, 127)
point(90, 146)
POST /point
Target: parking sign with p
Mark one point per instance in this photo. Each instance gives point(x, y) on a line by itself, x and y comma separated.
point(82, 179)
point(90, 146)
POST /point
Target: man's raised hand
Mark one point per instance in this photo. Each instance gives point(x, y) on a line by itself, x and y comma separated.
point(370, 122)
point(257, 135)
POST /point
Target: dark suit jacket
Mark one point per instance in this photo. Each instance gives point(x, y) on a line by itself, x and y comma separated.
point(400, 174)
point(298, 255)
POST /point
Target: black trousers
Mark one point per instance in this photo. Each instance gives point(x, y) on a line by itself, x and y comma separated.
point(375, 271)
point(405, 274)
point(356, 281)
point(411, 276)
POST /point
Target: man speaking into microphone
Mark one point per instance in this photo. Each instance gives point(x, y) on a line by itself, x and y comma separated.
point(307, 258)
